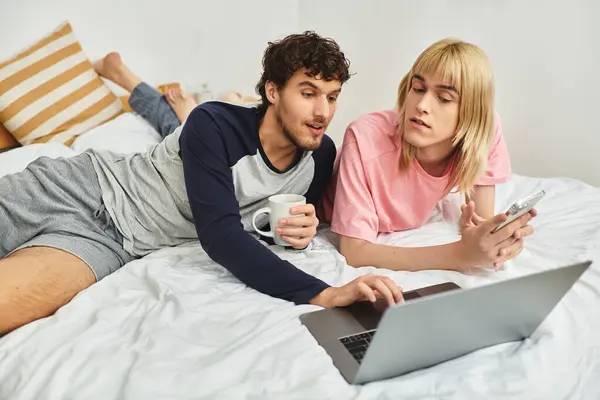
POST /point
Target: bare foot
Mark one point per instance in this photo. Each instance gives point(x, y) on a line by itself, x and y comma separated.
point(112, 67)
point(181, 102)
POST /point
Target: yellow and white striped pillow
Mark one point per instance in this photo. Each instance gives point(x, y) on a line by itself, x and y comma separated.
point(51, 93)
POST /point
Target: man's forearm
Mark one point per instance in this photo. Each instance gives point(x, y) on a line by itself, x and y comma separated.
point(258, 267)
point(361, 253)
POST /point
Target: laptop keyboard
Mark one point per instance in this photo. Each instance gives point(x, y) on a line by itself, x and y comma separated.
point(357, 344)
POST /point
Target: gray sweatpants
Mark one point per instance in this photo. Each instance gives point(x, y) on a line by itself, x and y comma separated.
point(58, 202)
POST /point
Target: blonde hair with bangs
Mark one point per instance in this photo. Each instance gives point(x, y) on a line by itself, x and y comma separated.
point(468, 69)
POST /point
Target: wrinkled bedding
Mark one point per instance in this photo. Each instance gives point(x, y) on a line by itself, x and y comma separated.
point(175, 325)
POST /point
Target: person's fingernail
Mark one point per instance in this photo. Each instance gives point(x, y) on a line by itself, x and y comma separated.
point(516, 235)
point(278, 230)
point(282, 221)
point(293, 210)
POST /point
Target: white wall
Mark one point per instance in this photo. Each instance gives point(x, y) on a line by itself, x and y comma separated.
point(189, 41)
point(546, 57)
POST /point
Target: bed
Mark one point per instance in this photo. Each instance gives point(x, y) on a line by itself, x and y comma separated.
point(175, 325)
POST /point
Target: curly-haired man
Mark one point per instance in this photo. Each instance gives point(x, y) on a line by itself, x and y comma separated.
point(67, 223)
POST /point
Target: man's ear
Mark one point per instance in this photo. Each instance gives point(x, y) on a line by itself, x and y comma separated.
point(272, 92)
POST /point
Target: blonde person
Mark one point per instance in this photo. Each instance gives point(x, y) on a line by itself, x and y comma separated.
point(395, 165)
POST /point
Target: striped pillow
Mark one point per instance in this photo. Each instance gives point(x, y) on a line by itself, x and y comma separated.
point(51, 93)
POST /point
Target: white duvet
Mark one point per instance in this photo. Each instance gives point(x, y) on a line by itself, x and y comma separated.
point(175, 325)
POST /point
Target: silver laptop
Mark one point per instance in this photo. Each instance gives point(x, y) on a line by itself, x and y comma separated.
point(369, 342)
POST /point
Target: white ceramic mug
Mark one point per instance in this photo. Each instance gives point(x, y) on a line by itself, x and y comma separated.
point(279, 207)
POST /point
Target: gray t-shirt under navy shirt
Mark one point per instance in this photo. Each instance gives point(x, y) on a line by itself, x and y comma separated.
point(205, 181)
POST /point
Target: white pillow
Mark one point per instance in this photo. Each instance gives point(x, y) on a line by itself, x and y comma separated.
point(128, 133)
point(16, 160)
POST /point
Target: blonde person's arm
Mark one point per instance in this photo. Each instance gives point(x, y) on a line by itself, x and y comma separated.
point(498, 170)
point(361, 253)
point(478, 246)
point(484, 198)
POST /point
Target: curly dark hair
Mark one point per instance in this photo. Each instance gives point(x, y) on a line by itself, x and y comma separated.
point(319, 56)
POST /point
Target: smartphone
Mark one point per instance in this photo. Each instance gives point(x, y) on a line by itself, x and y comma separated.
point(521, 207)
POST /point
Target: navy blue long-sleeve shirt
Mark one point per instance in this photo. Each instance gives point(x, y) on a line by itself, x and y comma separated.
point(228, 177)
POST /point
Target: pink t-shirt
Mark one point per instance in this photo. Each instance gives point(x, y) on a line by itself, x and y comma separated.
point(372, 195)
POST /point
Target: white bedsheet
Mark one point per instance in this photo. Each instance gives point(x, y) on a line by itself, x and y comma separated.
point(127, 133)
point(175, 325)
